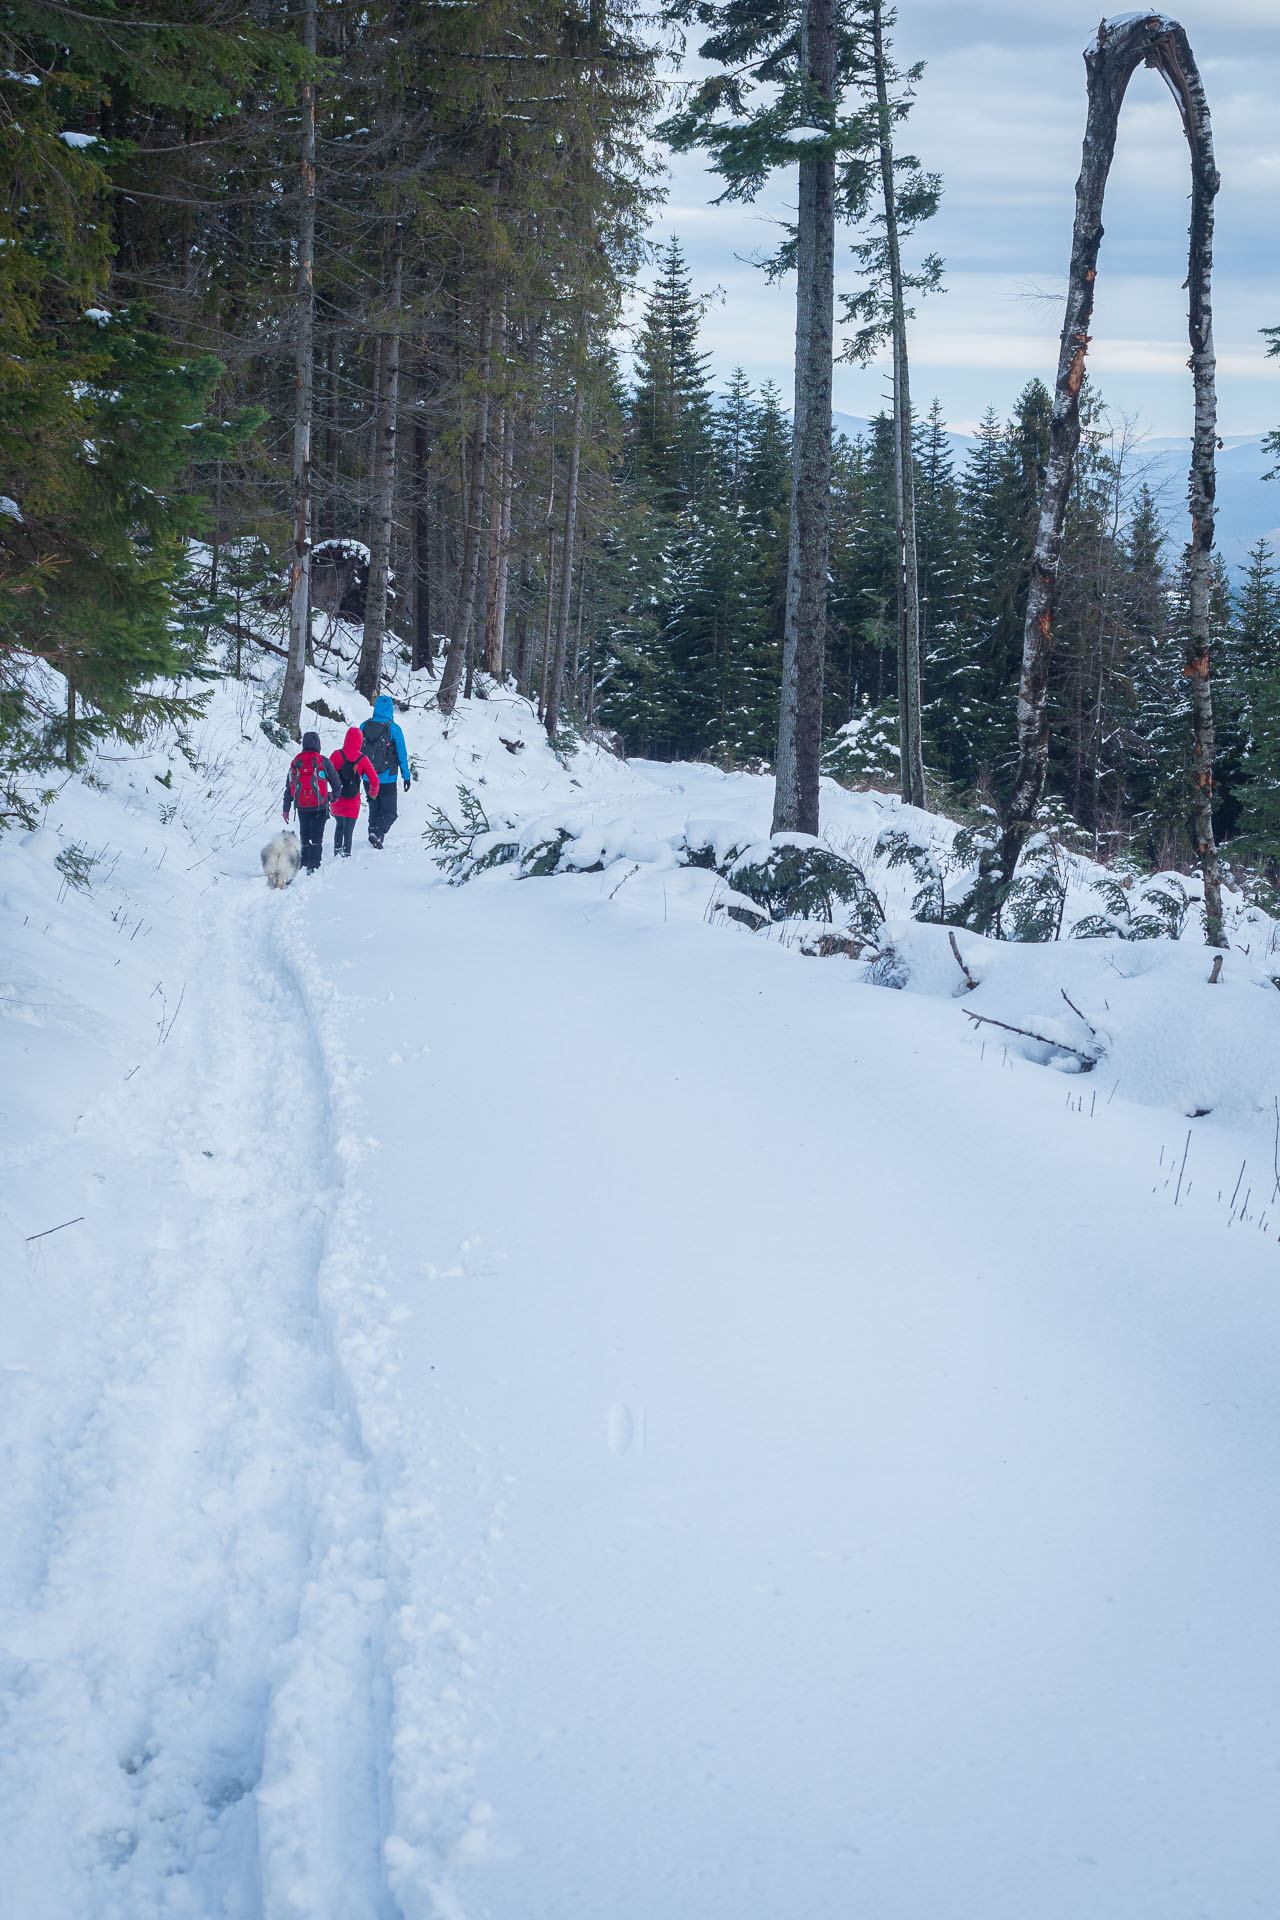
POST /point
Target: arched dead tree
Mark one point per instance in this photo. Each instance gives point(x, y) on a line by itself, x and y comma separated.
point(1121, 47)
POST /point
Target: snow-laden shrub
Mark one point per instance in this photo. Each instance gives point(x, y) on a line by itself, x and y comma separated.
point(1161, 911)
point(789, 877)
point(866, 752)
point(470, 845)
point(1031, 910)
point(898, 849)
point(76, 864)
point(795, 876)
point(714, 844)
point(544, 857)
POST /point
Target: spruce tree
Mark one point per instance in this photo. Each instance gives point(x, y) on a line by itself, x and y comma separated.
point(1247, 706)
point(671, 416)
point(950, 670)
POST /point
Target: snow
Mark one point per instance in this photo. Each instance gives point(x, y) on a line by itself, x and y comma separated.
point(102, 315)
point(344, 547)
point(1113, 23)
point(10, 507)
point(557, 1405)
point(80, 139)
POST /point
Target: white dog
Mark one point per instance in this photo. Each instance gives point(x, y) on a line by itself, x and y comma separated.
point(281, 859)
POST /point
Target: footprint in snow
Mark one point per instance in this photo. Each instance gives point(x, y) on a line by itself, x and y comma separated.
point(625, 1429)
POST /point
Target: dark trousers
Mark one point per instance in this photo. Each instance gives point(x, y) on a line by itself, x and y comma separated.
point(311, 832)
point(343, 828)
point(382, 811)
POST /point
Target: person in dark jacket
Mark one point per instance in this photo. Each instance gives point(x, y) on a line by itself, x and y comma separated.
point(351, 764)
point(311, 784)
point(384, 744)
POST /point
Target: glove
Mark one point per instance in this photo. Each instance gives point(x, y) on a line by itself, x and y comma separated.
point(407, 785)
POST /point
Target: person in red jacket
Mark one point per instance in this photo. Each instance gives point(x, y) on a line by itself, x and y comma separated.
point(352, 765)
point(311, 784)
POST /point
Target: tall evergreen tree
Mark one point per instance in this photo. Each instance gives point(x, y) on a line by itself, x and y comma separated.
point(1247, 706)
point(671, 413)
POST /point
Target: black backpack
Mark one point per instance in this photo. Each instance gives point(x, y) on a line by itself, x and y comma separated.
point(380, 747)
point(348, 777)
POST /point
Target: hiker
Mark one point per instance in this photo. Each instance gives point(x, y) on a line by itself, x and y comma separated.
point(312, 782)
point(352, 765)
point(384, 744)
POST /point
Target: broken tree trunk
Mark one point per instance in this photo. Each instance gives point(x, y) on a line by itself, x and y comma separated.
point(289, 712)
point(1121, 47)
point(1183, 78)
point(910, 725)
point(795, 800)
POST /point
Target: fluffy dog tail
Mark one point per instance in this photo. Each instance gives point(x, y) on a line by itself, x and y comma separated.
point(281, 859)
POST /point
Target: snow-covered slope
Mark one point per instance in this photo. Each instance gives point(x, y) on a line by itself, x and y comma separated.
point(556, 1405)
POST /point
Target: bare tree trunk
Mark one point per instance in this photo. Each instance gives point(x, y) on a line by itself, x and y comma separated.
point(910, 724)
point(1120, 48)
point(1183, 77)
point(500, 553)
point(493, 545)
point(551, 716)
point(289, 712)
point(795, 802)
point(334, 429)
point(522, 620)
point(423, 652)
point(369, 673)
point(550, 615)
point(464, 611)
point(545, 666)
point(577, 637)
point(215, 544)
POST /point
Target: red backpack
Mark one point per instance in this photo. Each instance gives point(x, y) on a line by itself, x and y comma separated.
point(310, 781)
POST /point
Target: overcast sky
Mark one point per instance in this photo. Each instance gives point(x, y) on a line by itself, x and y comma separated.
point(1000, 114)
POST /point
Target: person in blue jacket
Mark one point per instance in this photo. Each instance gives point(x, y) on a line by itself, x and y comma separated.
point(384, 744)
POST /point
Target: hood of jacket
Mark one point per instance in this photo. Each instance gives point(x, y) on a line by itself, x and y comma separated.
point(353, 745)
point(311, 743)
point(384, 708)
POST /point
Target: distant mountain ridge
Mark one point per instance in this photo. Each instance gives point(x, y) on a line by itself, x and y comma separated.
point(1248, 506)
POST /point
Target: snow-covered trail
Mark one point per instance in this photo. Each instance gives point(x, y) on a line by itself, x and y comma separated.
point(891, 1526)
point(199, 1720)
point(561, 1410)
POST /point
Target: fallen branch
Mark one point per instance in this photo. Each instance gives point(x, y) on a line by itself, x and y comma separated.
point(58, 1229)
point(1075, 1009)
point(234, 628)
point(985, 1020)
point(970, 982)
point(165, 1031)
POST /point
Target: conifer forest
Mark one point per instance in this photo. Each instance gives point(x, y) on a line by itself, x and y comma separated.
point(324, 306)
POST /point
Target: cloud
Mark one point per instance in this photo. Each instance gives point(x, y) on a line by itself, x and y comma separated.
point(1000, 112)
point(1028, 352)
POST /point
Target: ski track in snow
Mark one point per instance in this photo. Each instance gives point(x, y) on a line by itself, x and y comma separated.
point(202, 1671)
